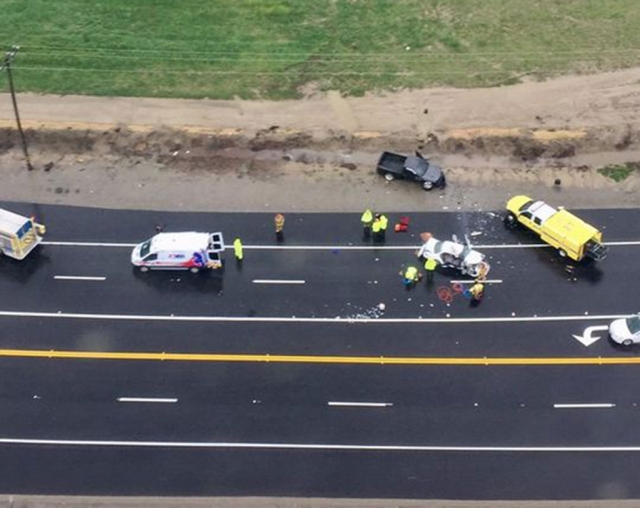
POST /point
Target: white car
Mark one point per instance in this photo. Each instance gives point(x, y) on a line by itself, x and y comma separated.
point(625, 331)
point(451, 254)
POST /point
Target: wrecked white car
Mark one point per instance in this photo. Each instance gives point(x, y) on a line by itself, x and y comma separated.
point(452, 254)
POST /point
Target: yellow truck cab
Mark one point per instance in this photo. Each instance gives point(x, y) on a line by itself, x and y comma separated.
point(18, 235)
point(558, 227)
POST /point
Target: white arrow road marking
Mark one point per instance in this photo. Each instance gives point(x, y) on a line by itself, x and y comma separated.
point(586, 338)
point(583, 406)
point(361, 404)
point(147, 399)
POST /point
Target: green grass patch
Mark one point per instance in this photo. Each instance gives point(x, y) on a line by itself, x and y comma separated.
point(619, 172)
point(276, 48)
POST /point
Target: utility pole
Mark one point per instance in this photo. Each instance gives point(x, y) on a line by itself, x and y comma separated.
point(6, 64)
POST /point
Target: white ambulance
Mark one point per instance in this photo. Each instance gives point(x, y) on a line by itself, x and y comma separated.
point(18, 235)
point(179, 251)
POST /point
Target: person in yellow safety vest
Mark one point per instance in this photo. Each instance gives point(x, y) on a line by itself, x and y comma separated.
point(411, 276)
point(237, 249)
point(366, 219)
point(279, 223)
point(376, 227)
point(430, 265)
point(384, 222)
point(477, 290)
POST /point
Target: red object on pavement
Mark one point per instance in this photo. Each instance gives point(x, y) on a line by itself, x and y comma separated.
point(402, 226)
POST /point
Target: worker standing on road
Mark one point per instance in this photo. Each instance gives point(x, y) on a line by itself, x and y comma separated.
point(279, 223)
point(430, 266)
point(384, 222)
point(237, 250)
point(366, 219)
point(376, 228)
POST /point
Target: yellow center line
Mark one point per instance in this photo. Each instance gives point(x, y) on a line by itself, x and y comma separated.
point(267, 358)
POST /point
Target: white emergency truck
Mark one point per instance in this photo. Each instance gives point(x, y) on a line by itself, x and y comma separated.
point(18, 235)
point(179, 251)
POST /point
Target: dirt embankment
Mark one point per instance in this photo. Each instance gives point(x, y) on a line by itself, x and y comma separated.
point(196, 149)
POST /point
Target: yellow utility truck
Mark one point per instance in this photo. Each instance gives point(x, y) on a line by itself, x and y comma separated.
point(18, 235)
point(558, 227)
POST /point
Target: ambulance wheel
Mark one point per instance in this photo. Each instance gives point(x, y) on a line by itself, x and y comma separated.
point(627, 343)
point(143, 269)
point(194, 269)
point(389, 177)
point(562, 253)
point(427, 185)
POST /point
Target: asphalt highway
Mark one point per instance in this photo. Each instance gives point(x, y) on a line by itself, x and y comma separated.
point(282, 376)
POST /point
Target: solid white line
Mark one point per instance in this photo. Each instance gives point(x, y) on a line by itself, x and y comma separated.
point(277, 281)
point(471, 281)
point(361, 404)
point(244, 319)
point(147, 399)
point(338, 247)
point(583, 406)
point(74, 277)
point(305, 446)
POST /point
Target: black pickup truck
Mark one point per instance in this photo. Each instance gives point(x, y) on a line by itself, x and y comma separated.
point(414, 167)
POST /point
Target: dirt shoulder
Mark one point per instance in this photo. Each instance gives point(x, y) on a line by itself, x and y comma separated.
point(318, 154)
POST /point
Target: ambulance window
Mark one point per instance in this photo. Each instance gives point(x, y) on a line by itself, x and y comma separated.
point(24, 229)
point(144, 250)
point(537, 220)
point(526, 215)
point(151, 257)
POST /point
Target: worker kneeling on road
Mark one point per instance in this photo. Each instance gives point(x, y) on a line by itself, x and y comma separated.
point(477, 291)
point(411, 276)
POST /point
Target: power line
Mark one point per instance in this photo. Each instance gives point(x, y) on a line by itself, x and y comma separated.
point(161, 52)
point(247, 58)
point(283, 72)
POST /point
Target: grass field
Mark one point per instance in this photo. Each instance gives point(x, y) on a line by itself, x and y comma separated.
point(281, 48)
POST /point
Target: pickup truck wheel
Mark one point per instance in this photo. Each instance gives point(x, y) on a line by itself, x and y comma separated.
point(562, 253)
point(389, 177)
point(427, 185)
